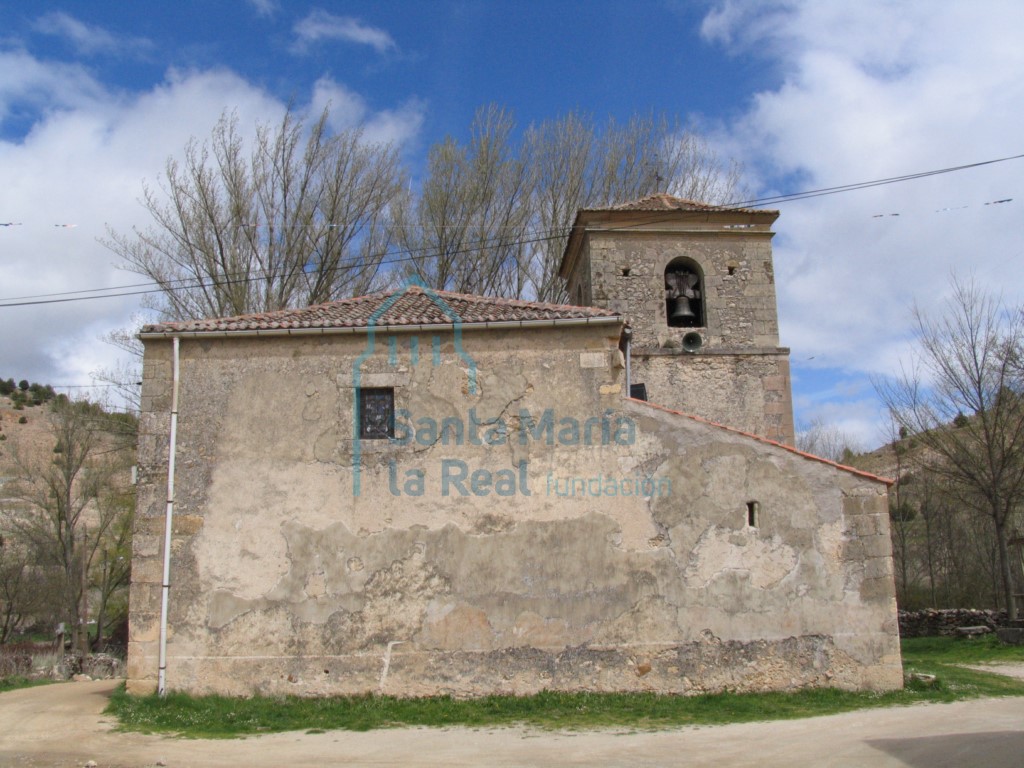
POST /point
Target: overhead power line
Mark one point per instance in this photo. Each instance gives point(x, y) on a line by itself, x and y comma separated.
point(410, 255)
point(866, 184)
point(230, 279)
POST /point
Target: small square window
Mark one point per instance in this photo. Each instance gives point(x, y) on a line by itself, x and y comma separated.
point(376, 413)
point(638, 391)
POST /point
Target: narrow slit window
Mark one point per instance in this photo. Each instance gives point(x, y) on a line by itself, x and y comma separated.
point(753, 512)
point(377, 413)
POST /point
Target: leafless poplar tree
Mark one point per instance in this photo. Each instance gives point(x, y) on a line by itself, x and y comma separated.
point(493, 217)
point(306, 216)
point(465, 231)
point(297, 220)
point(963, 403)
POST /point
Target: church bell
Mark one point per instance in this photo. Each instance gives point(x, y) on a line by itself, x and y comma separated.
point(681, 310)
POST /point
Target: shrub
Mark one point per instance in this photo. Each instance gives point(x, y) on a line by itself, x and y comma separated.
point(23, 420)
point(41, 394)
point(16, 659)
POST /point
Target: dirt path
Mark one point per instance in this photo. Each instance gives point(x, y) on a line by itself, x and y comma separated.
point(62, 725)
point(1008, 668)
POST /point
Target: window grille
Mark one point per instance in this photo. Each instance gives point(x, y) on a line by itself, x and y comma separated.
point(376, 413)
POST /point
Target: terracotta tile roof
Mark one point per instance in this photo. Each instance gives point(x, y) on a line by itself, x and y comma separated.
point(410, 306)
point(665, 202)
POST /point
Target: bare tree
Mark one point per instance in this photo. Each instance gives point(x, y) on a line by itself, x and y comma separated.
point(566, 167)
point(465, 232)
point(579, 164)
point(112, 562)
point(307, 216)
point(61, 508)
point(827, 441)
point(298, 220)
point(125, 377)
point(962, 402)
point(493, 216)
point(23, 588)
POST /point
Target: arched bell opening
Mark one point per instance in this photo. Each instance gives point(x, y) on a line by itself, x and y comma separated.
point(684, 294)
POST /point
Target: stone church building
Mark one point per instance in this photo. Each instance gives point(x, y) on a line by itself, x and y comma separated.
point(420, 492)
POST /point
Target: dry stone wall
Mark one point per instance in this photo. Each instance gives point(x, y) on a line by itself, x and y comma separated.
point(931, 622)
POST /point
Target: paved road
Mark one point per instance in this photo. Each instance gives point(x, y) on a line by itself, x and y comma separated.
point(62, 725)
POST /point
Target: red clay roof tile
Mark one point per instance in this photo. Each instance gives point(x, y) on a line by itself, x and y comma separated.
point(413, 305)
point(665, 202)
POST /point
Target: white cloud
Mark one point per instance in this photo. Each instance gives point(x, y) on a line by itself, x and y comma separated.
point(28, 83)
point(84, 162)
point(349, 110)
point(871, 90)
point(264, 7)
point(321, 25)
point(396, 126)
point(87, 38)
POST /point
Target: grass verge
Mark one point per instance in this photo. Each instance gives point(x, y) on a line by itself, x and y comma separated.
point(223, 717)
point(17, 681)
point(986, 649)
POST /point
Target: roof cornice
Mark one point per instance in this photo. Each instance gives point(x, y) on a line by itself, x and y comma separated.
point(489, 325)
point(638, 218)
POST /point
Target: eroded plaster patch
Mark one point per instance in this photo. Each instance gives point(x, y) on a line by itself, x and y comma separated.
point(721, 551)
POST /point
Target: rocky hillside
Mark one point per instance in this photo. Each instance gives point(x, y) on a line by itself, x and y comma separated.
point(28, 428)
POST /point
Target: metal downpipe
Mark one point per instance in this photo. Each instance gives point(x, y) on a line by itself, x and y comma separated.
point(161, 685)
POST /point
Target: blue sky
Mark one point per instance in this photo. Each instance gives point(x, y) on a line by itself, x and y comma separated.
point(95, 96)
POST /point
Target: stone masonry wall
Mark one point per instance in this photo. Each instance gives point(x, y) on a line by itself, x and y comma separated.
point(740, 375)
point(749, 392)
point(738, 285)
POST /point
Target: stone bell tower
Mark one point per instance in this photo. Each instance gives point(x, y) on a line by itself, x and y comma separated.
point(696, 285)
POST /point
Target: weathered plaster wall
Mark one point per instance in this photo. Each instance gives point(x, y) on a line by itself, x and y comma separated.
point(503, 563)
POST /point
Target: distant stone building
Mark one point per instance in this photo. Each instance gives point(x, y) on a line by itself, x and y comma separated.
point(421, 492)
